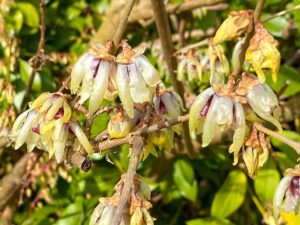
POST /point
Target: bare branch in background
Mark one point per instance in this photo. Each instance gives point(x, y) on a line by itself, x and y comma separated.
point(39, 59)
point(281, 13)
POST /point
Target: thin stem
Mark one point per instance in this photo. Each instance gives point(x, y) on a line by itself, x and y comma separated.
point(123, 22)
point(281, 13)
point(239, 67)
point(137, 147)
point(104, 145)
point(295, 145)
point(39, 58)
point(164, 32)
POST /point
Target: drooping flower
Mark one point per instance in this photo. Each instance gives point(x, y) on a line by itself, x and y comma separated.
point(47, 125)
point(219, 66)
point(212, 111)
point(237, 24)
point(136, 78)
point(262, 53)
point(261, 99)
point(93, 77)
point(190, 65)
point(255, 152)
point(287, 194)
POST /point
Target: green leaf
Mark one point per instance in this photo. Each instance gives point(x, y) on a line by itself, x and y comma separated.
point(184, 179)
point(230, 196)
point(276, 26)
point(266, 181)
point(209, 221)
point(31, 16)
point(73, 214)
point(25, 72)
point(286, 74)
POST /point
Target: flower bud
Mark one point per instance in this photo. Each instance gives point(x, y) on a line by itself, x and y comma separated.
point(237, 24)
point(264, 103)
point(141, 216)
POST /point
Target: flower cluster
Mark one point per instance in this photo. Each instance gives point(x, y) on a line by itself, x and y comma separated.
point(137, 214)
point(287, 194)
point(262, 52)
point(98, 75)
point(222, 108)
point(47, 125)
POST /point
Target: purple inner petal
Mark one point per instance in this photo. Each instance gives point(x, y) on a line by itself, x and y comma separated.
point(206, 107)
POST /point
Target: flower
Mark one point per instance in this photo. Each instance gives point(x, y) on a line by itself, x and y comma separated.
point(255, 152)
point(136, 78)
point(120, 125)
point(190, 66)
point(262, 53)
point(218, 110)
point(141, 216)
point(47, 125)
point(219, 66)
point(287, 194)
point(261, 99)
point(93, 77)
point(237, 24)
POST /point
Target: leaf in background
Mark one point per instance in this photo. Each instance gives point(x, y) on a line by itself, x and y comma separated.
point(25, 72)
point(286, 74)
point(276, 26)
point(287, 153)
point(209, 221)
point(99, 124)
point(13, 20)
point(31, 15)
point(230, 196)
point(73, 214)
point(184, 179)
point(39, 215)
point(266, 182)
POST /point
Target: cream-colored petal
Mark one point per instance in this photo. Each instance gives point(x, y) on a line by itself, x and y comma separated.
point(67, 112)
point(79, 71)
point(40, 100)
point(81, 137)
point(239, 132)
point(173, 107)
point(86, 88)
point(32, 140)
point(196, 108)
point(57, 104)
point(60, 144)
point(138, 88)
point(96, 214)
point(45, 107)
point(211, 123)
point(19, 123)
point(181, 69)
point(107, 215)
point(147, 71)
point(279, 194)
point(100, 86)
point(123, 89)
point(24, 131)
point(46, 126)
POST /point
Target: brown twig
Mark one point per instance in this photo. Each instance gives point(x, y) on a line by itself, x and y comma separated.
point(39, 59)
point(239, 67)
point(281, 13)
point(295, 145)
point(136, 148)
point(104, 145)
point(164, 32)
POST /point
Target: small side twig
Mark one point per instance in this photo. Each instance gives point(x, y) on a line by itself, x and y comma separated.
point(295, 145)
point(39, 59)
point(136, 148)
point(281, 13)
